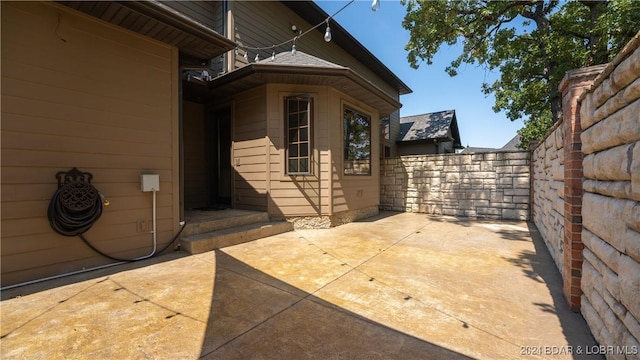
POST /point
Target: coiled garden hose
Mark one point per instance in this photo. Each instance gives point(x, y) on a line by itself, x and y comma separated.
point(77, 205)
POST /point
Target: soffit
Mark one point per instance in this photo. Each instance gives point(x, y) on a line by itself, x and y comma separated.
point(160, 22)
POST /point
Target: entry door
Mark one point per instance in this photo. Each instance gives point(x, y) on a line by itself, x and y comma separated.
point(219, 133)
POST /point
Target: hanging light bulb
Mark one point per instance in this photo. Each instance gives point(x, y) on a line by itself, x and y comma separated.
point(246, 56)
point(293, 50)
point(327, 33)
point(273, 55)
point(257, 58)
point(375, 5)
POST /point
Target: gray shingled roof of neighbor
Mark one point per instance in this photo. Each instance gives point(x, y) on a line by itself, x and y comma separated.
point(512, 145)
point(430, 126)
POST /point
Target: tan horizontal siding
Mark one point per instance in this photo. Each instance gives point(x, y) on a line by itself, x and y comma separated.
point(77, 92)
point(249, 150)
point(265, 23)
point(203, 12)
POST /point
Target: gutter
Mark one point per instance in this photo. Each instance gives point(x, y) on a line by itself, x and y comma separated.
point(167, 15)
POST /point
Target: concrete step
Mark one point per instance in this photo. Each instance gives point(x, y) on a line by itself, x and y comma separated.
point(219, 220)
point(199, 243)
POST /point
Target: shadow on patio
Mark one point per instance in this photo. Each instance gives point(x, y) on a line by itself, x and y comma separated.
point(398, 286)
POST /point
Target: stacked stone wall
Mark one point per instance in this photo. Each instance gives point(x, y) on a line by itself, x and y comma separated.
point(548, 191)
point(492, 185)
point(610, 119)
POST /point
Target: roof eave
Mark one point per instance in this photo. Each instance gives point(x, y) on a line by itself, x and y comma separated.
point(312, 13)
point(262, 68)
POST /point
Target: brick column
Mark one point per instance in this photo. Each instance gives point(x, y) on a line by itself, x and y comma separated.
point(572, 86)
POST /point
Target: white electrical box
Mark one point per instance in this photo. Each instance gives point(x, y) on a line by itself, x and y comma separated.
point(150, 182)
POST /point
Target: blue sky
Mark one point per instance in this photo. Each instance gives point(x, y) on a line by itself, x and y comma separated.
point(433, 90)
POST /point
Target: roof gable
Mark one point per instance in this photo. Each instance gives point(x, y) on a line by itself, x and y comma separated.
point(430, 126)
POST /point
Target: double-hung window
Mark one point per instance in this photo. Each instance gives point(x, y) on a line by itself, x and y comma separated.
point(298, 126)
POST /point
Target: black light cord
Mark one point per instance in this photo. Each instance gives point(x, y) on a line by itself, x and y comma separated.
point(75, 223)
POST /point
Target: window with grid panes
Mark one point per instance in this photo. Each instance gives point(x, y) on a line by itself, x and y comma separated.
point(298, 124)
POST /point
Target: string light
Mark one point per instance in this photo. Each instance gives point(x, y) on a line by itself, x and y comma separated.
point(327, 34)
point(257, 58)
point(375, 5)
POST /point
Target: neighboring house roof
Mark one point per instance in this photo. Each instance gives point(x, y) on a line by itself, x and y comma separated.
point(313, 14)
point(512, 145)
point(160, 22)
point(430, 127)
point(304, 69)
point(473, 150)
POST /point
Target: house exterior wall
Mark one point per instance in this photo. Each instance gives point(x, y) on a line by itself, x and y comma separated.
point(205, 12)
point(249, 150)
point(196, 173)
point(259, 159)
point(77, 92)
point(299, 195)
point(417, 149)
point(264, 23)
point(355, 192)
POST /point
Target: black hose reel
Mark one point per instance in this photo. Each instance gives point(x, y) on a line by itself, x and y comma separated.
point(77, 205)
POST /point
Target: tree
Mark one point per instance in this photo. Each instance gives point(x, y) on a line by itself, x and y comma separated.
point(532, 44)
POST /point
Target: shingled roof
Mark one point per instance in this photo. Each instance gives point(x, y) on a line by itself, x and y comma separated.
point(430, 127)
point(299, 59)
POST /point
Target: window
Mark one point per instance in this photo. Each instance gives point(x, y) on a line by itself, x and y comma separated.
point(298, 124)
point(357, 143)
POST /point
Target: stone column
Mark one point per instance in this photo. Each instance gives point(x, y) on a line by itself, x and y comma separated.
point(573, 84)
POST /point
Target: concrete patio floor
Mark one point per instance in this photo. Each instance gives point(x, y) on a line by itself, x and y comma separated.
point(397, 286)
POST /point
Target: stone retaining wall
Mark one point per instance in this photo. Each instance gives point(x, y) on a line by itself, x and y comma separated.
point(610, 119)
point(548, 191)
point(491, 185)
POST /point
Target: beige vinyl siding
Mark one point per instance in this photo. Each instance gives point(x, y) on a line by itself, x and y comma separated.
point(353, 192)
point(265, 23)
point(204, 12)
point(250, 150)
point(195, 157)
point(298, 195)
point(77, 92)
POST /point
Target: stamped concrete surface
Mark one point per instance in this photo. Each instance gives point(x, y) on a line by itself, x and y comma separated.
point(397, 286)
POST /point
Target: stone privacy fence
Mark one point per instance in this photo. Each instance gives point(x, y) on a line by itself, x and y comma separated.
point(492, 185)
point(610, 119)
point(547, 163)
point(586, 197)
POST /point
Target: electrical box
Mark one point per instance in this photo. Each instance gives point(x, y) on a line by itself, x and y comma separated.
point(150, 182)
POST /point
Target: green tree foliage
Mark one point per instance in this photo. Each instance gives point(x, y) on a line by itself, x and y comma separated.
point(531, 43)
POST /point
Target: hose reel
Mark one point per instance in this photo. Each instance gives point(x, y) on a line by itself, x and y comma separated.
point(77, 205)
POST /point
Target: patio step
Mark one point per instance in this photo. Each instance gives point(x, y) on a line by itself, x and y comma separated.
point(219, 220)
point(199, 243)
